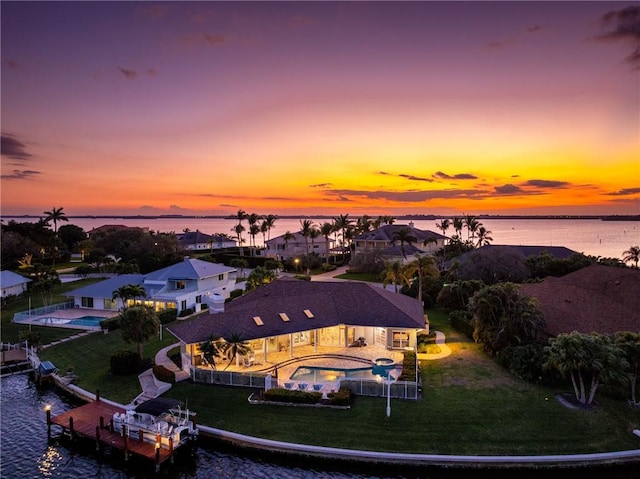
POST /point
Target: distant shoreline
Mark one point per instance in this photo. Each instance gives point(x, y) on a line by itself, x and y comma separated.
point(400, 217)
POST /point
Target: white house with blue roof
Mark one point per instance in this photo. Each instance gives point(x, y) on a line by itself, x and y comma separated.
point(185, 285)
point(12, 283)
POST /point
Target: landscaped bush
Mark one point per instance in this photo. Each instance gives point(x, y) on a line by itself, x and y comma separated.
point(167, 316)
point(292, 396)
point(408, 367)
point(110, 324)
point(124, 362)
point(344, 397)
point(328, 267)
point(185, 312)
point(526, 362)
point(461, 321)
point(235, 293)
point(163, 374)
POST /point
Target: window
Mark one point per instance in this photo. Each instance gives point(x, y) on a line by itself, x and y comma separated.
point(400, 339)
point(181, 284)
point(199, 299)
point(221, 277)
point(183, 304)
point(87, 302)
point(110, 304)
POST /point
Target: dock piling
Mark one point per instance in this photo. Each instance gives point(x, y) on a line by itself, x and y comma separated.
point(71, 432)
point(48, 409)
point(98, 438)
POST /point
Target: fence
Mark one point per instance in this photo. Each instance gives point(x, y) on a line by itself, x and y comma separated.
point(366, 387)
point(25, 315)
point(229, 378)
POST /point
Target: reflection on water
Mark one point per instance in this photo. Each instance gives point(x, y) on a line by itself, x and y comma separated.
point(26, 453)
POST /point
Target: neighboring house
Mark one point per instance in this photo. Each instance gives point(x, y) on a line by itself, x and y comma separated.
point(382, 240)
point(598, 298)
point(185, 285)
point(198, 241)
point(279, 249)
point(12, 283)
point(558, 252)
point(288, 313)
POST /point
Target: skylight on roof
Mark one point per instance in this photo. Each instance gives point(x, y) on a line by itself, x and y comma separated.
point(308, 313)
point(258, 321)
point(284, 316)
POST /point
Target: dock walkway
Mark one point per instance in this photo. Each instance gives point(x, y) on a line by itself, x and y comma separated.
point(93, 421)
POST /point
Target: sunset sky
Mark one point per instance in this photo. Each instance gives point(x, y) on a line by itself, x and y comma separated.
point(320, 108)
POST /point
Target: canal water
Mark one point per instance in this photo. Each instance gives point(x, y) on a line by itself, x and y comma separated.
point(26, 453)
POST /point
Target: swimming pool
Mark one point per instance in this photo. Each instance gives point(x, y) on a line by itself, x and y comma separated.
point(88, 321)
point(319, 374)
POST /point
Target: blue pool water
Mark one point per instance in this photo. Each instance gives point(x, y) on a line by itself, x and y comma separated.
point(81, 321)
point(319, 374)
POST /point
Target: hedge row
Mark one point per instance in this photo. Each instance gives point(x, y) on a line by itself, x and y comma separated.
point(292, 396)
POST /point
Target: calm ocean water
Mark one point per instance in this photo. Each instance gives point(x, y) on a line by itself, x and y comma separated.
point(592, 237)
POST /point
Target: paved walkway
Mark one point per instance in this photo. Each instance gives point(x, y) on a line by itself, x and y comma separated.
point(444, 349)
point(162, 359)
point(68, 338)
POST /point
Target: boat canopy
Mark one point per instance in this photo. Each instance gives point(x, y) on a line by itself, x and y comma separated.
point(157, 406)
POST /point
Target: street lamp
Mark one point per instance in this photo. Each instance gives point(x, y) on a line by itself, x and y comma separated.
point(296, 261)
point(389, 379)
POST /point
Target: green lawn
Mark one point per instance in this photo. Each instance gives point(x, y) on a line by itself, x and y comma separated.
point(470, 405)
point(368, 277)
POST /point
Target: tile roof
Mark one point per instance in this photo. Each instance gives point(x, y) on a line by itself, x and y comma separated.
point(330, 303)
point(598, 298)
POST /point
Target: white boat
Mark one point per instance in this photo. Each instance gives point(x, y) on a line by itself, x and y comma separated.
point(161, 421)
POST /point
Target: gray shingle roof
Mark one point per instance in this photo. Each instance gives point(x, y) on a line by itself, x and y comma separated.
point(386, 232)
point(598, 298)
point(331, 303)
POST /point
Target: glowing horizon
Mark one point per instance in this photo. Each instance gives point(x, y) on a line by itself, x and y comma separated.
point(395, 108)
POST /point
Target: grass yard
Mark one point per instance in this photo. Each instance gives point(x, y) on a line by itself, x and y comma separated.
point(368, 277)
point(470, 405)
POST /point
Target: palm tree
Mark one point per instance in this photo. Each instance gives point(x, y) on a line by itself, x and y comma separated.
point(403, 235)
point(240, 215)
point(395, 273)
point(443, 226)
point(632, 254)
point(138, 324)
point(211, 349)
point(307, 226)
point(484, 237)
point(363, 224)
point(313, 234)
point(239, 263)
point(288, 236)
point(128, 291)
point(458, 224)
point(326, 229)
point(254, 229)
point(270, 220)
point(238, 230)
point(342, 223)
point(264, 228)
point(235, 345)
point(472, 224)
point(55, 215)
point(423, 266)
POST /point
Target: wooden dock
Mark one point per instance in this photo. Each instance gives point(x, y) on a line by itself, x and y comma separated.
point(94, 421)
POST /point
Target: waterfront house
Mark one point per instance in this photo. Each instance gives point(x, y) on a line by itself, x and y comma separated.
point(287, 314)
point(384, 240)
point(104, 229)
point(282, 250)
point(598, 298)
point(189, 284)
point(198, 241)
point(12, 283)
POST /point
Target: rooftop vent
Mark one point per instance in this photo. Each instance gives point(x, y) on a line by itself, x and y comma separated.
point(308, 313)
point(284, 316)
point(258, 320)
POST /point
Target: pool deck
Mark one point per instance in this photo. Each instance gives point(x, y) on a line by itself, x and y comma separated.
point(69, 314)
